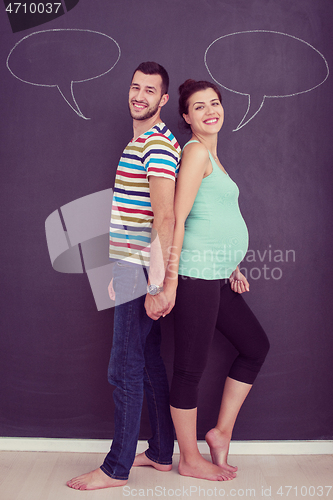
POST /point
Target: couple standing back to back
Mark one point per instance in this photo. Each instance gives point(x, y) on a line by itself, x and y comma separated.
point(147, 234)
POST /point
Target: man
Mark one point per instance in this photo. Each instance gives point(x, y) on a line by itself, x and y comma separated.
point(141, 232)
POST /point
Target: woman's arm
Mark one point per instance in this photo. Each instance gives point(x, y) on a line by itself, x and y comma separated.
point(195, 162)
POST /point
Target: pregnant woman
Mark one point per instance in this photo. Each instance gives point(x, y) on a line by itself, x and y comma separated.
point(210, 240)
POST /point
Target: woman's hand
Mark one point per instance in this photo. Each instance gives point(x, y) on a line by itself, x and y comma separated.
point(238, 282)
point(170, 291)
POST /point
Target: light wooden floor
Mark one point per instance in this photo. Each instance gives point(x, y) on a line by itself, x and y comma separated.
point(43, 476)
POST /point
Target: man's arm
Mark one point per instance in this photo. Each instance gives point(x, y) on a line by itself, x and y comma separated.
point(162, 191)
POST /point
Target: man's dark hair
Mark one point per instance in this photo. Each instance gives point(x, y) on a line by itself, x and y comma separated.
point(153, 68)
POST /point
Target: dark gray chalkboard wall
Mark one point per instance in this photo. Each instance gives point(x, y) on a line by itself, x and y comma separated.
point(54, 343)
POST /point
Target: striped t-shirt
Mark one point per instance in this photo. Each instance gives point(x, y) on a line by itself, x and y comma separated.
point(156, 152)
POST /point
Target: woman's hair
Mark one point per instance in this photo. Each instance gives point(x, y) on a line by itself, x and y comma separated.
point(188, 88)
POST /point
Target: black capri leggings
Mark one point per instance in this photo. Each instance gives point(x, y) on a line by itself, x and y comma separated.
point(201, 306)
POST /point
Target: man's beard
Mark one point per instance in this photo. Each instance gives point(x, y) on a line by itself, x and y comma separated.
point(149, 112)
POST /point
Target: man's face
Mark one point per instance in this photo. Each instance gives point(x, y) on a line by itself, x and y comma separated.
point(145, 95)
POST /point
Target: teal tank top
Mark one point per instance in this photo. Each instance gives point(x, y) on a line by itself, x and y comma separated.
point(216, 237)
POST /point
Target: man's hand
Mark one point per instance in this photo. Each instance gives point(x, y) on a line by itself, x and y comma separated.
point(112, 293)
point(156, 305)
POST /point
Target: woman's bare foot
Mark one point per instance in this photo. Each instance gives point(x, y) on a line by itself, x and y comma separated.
point(202, 469)
point(142, 459)
point(219, 449)
point(94, 480)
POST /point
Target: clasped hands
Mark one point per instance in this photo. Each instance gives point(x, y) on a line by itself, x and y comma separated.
point(160, 304)
point(155, 305)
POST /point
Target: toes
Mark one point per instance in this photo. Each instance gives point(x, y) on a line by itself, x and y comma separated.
point(76, 485)
point(228, 477)
point(225, 478)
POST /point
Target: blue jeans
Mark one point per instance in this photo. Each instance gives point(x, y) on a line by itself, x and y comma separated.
point(136, 366)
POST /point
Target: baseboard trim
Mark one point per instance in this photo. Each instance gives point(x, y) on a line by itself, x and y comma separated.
point(320, 447)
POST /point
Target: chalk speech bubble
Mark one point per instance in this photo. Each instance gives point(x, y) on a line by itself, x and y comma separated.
point(264, 64)
point(61, 57)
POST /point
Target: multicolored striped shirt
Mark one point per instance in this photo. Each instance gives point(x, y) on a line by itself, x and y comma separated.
point(157, 153)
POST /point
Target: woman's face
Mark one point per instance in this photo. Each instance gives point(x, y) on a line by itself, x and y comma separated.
point(205, 113)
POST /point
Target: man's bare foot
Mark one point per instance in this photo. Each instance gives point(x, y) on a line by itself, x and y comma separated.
point(202, 469)
point(142, 459)
point(94, 480)
point(219, 449)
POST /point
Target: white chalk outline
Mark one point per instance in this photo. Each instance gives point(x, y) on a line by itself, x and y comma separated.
point(77, 111)
point(241, 124)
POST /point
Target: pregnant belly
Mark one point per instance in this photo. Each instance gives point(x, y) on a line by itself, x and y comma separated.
point(222, 242)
